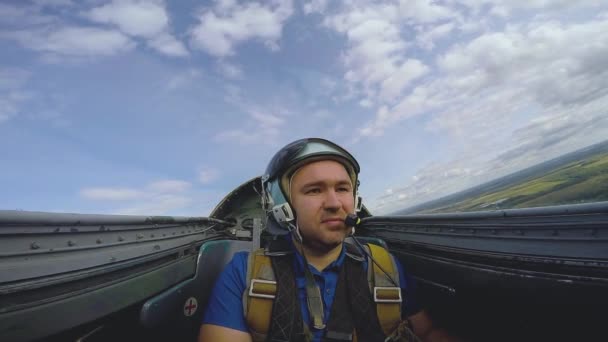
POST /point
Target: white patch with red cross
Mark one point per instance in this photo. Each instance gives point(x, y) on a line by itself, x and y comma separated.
point(190, 307)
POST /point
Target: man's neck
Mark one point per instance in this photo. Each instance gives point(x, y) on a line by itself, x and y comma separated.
point(319, 258)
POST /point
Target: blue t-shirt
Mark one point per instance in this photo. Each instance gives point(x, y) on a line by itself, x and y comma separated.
point(225, 306)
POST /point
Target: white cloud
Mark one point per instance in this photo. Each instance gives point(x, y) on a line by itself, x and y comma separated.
point(169, 185)
point(377, 127)
point(267, 120)
point(34, 28)
point(507, 7)
point(10, 103)
point(12, 95)
point(426, 37)
point(155, 198)
point(379, 63)
point(111, 194)
point(136, 18)
point(168, 45)
point(485, 83)
point(23, 16)
point(556, 64)
point(208, 175)
point(315, 6)
point(240, 135)
point(233, 95)
point(222, 28)
point(264, 123)
point(16, 98)
point(543, 138)
point(157, 205)
point(486, 87)
point(229, 70)
point(147, 19)
point(267, 129)
point(322, 114)
point(328, 83)
point(392, 86)
point(154, 189)
point(54, 3)
point(376, 62)
point(425, 11)
point(13, 78)
point(366, 103)
point(183, 79)
point(73, 41)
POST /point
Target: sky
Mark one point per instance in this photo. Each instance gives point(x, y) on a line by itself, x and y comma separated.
point(163, 107)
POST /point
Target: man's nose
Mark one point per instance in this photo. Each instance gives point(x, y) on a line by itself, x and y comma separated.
point(332, 201)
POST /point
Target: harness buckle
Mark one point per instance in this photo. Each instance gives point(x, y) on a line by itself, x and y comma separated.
point(263, 290)
point(387, 294)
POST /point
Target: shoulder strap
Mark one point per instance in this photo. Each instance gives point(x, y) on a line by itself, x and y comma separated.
point(368, 304)
point(385, 294)
point(353, 312)
point(259, 296)
point(262, 309)
point(270, 303)
point(354, 252)
point(286, 324)
point(279, 247)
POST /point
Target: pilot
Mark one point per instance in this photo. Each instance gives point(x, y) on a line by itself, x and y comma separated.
point(308, 284)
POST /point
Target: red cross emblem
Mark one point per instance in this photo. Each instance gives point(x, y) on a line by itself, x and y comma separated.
point(190, 306)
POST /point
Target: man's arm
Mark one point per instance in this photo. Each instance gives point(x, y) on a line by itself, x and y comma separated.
point(224, 318)
point(423, 327)
point(421, 323)
point(216, 333)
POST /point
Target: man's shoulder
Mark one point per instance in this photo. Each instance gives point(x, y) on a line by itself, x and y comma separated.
point(233, 275)
point(236, 269)
point(241, 255)
point(239, 260)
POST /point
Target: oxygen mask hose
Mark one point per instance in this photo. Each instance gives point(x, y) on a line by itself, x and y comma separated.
point(353, 221)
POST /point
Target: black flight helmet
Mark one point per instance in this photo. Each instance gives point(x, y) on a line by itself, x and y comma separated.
point(276, 179)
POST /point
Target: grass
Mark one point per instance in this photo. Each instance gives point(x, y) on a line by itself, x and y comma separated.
point(578, 182)
point(590, 190)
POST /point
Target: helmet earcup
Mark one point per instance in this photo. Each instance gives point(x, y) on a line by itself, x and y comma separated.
point(283, 213)
point(277, 206)
point(358, 203)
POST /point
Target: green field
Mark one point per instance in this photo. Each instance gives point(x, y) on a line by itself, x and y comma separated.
point(578, 182)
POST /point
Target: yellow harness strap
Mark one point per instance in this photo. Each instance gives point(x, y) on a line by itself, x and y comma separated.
point(386, 295)
point(262, 288)
point(259, 295)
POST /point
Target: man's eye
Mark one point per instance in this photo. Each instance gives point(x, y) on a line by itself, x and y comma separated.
point(313, 191)
point(344, 189)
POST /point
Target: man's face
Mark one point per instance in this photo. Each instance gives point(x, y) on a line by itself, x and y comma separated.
point(322, 196)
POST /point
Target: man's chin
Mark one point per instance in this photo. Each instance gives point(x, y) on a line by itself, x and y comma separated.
point(325, 244)
point(332, 242)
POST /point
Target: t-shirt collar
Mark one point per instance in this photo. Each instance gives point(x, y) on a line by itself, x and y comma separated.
point(336, 264)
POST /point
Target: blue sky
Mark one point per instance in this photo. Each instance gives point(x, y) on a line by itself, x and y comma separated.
point(161, 108)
